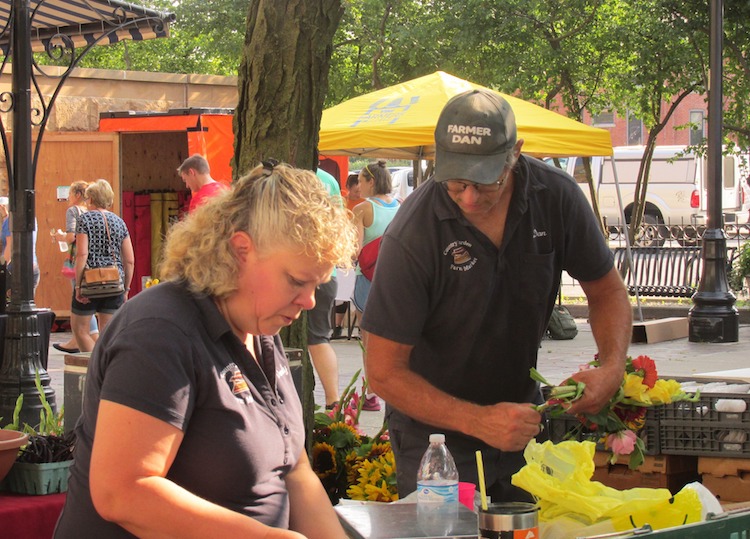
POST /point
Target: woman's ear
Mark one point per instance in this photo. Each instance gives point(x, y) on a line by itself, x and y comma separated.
point(242, 245)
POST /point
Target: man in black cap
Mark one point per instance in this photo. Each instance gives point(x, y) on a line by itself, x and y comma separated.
point(467, 277)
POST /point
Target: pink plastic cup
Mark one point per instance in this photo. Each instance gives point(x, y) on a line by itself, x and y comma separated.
point(466, 494)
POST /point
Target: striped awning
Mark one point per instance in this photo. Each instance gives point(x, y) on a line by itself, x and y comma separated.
point(86, 21)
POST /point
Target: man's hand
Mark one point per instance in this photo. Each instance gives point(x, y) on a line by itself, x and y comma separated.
point(601, 384)
point(506, 426)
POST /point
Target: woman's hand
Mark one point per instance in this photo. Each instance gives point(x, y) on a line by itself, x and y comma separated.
point(79, 297)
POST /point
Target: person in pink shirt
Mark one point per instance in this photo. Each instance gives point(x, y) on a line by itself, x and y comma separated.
point(196, 174)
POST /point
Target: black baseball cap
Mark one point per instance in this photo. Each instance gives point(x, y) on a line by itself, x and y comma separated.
point(475, 134)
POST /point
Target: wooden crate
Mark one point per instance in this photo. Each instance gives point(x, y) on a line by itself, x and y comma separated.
point(663, 464)
point(728, 479)
point(657, 471)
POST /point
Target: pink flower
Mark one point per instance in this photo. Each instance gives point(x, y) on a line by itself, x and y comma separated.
point(622, 442)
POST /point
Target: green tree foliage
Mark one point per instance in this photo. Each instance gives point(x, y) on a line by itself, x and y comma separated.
point(380, 43)
point(206, 38)
point(661, 65)
point(555, 54)
point(692, 17)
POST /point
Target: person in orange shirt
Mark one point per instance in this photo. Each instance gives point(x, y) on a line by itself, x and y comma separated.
point(353, 192)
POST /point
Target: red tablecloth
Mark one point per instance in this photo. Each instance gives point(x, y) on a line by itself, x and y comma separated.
point(29, 517)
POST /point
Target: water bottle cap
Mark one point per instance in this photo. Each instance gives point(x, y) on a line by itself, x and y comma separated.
point(437, 438)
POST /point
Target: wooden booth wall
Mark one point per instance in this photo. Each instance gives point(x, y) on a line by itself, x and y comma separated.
point(150, 161)
point(63, 159)
point(141, 163)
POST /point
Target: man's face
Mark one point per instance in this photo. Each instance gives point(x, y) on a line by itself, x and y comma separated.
point(476, 199)
point(355, 192)
point(190, 177)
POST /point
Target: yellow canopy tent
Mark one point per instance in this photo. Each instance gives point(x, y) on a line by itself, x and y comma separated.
point(398, 122)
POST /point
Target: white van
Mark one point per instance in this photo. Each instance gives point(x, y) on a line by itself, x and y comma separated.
point(676, 192)
point(402, 180)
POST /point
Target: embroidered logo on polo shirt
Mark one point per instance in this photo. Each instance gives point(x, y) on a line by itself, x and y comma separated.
point(537, 234)
point(460, 255)
point(237, 383)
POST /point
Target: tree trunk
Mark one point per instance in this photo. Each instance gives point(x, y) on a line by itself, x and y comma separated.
point(594, 196)
point(282, 83)
point(283, 80)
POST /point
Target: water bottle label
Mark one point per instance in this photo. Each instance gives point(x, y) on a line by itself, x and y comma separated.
point(437, 493)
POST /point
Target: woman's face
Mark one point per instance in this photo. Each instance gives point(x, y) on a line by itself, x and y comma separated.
point(74, 198)
point(366, 186)
point(273, 288)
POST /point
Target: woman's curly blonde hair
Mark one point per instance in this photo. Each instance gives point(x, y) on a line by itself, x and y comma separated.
point(277, 206)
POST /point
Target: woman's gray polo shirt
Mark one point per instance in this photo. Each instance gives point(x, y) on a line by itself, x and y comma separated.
point(170, 354)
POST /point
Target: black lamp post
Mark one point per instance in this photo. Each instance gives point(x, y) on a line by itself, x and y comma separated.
point(21, 356)
point(713, 317)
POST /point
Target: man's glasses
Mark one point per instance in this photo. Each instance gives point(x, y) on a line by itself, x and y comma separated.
point(459, 186)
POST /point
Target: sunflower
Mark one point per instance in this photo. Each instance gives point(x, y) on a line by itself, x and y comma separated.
point(377, 480)
point(379, 449)
point(324, 460)
point(340, 450)
point(352, 462)
point(343, 436)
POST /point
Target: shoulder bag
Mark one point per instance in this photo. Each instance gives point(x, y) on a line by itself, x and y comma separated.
point(102, 282)
point(368, 257)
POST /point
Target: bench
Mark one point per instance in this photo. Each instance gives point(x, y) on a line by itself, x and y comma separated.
point(672, 272)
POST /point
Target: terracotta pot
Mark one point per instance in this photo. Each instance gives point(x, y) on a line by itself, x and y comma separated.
point(10, 441)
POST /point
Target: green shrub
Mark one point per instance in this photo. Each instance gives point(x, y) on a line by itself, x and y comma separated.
point(740, 267)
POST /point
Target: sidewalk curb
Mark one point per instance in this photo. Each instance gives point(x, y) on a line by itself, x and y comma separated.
point(653, 312)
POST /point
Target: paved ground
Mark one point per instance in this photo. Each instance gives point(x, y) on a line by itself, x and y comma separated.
point(557, 360)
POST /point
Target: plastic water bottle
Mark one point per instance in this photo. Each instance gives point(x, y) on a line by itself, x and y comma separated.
point(437, 488)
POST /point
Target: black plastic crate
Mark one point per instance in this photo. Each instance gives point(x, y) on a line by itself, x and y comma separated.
point(705, 439)
point(559, 427)
point(706, 410)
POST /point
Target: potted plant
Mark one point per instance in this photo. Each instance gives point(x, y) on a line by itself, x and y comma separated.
point(740, 275)
point(43, 464)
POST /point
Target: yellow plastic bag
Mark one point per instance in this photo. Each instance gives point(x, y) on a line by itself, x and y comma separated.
point(559, 477)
